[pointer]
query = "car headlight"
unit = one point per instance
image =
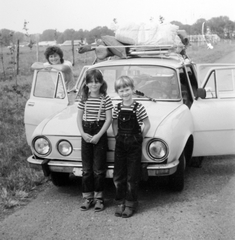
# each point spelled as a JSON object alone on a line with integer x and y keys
{"x": 157, "y": 150}
{"x": 42, "y": 145}
{"x": 64, "y": 147}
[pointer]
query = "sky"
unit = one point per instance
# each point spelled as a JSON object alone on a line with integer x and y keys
{"x": 88, "y": 14}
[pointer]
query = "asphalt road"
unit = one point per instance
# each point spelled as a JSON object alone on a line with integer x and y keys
{"x": 204, "y": 210}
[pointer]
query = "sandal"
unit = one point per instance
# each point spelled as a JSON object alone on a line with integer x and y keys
{"x": 87, "y": 204}
{"x": 128, "y": 212}
{"x": 99, "y": 205}
{"x": 119, "y": 210}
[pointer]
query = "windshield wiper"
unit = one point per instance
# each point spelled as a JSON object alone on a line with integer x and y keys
{"x": 139, "y": 93}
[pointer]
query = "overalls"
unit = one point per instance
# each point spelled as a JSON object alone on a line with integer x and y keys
{"x": 93, "y": 159}
{"x": 128, "y": 153}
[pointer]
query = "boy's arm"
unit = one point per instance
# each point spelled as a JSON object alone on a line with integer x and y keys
{"x": 115, "y": 127}
{"x": 146, "y": 126}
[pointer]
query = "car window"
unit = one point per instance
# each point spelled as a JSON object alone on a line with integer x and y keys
{"x": 221, "y": 82}
{"x": 154, "y": 81}
{"x": 49, "y": 85}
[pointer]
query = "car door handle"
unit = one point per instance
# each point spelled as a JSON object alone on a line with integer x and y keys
{"x": 31, "y": 104}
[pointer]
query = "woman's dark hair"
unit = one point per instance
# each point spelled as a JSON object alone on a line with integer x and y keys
{"x": 94, "y": 74}
{"x": 52, "y": 50}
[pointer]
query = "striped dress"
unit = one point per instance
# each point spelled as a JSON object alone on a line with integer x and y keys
{"x": 92, "y": 105}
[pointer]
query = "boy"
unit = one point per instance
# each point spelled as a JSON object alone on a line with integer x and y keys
{"x": 128, "y": 117}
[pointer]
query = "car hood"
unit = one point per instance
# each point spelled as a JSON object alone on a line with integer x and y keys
{"x": 65, "y": 122}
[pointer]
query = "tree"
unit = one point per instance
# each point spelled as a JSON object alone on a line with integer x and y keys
{"x": 218, "y": 25}
{"x": 48, "y": 35}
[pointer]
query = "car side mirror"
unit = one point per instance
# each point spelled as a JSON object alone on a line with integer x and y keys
{"x": 201, "y": 93}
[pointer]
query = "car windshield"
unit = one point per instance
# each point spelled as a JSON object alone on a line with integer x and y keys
{"x": 156, "y": 82}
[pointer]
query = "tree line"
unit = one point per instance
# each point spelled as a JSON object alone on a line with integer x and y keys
{"x": 222, "y": 26}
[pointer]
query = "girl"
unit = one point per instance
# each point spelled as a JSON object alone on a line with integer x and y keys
{"x": 94, "y": 118}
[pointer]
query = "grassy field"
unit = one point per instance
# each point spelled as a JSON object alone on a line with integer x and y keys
{"x": 17, "y": 180}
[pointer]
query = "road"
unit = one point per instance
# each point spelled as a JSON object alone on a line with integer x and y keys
{"x": 204, "y": 210}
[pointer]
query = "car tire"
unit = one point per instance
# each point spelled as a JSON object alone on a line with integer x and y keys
{"x": 196, "y": 162}
{"x": 59, "y": 179}
{"x": 176, "y": 180}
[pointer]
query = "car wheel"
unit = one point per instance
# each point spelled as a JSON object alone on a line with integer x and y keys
{"x": 176, "y": 180}
{"x": 196, "y": 162}
{"x": 59, "y": 179}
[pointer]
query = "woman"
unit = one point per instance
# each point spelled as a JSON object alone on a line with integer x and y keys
{"x": 54, "y": 56}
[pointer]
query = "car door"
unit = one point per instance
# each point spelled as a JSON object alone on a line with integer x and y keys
{"x": 48, "y": 96}
{"x": 202, "y": 69}
{"x": 214, "y": 116}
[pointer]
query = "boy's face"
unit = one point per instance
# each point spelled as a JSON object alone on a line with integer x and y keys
{"x": 125, "y": 93}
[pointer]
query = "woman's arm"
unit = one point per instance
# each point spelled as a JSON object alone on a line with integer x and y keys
{"x": 84, "y": 135}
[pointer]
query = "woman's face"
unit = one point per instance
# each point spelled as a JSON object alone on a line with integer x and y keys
{"x": 54, "y": 59}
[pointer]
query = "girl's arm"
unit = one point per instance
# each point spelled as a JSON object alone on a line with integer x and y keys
{"x": 146, "y": 126}
{"x": 105, "y": 127}
{"x": 84, "y": 135}
{"x": 115, "y": 127}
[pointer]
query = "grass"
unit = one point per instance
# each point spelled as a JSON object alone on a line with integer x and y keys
{"x": 17, "y": 180}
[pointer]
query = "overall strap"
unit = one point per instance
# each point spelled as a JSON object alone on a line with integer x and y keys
{"x": 99, "y": 113}
{"x": 135, "y": 107}
{"x": 85, "y": 108}
{"x": 119, "y": 107}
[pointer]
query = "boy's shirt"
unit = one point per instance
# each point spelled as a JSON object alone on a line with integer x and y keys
{"x": 141, "y": 113}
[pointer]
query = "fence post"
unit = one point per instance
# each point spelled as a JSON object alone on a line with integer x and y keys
{"x": 37, "y": 47}
{"x": 73, "y": 52}
{"x": 17, "y": 57}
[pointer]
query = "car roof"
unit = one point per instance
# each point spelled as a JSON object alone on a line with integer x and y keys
{"x": 170, "y": 61}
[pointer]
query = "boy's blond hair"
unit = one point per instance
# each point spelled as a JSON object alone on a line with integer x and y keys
{"x": 122, "y": 82}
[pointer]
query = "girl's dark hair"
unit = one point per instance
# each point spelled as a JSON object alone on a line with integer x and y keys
{"x": 52, "y": 50}
{"x": 97, "y": 75}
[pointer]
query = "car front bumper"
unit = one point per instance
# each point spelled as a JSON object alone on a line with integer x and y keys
{"x": 76, "y": 167}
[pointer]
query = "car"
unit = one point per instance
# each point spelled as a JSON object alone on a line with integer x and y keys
{"x": 191, "y": 109}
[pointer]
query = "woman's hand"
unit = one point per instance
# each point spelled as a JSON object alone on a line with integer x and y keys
{"x": 95, "y": 139}
{"x": 87, "y": 137}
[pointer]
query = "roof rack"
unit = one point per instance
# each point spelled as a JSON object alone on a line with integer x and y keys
{"x": 158, "y": 51}
{"x": 147, "y": 49}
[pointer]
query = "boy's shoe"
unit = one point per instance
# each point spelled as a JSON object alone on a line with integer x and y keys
{"x": 99, "y": 205}
{"x": 119, "y": 210}
{"x": 87, "y": 204}
{"x": 128, "y": 212}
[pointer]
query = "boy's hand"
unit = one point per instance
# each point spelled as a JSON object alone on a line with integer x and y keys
{"x": 87, "y": 137}
{"x": 95, "y": 139}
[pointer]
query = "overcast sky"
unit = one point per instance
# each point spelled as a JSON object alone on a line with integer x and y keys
{"x": 88, "y": 14}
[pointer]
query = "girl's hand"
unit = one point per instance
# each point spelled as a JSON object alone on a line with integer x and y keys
{"x": 95, "y": 139}
{"x": 87, "y": 137}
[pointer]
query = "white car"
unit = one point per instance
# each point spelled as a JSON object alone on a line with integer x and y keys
{"x": 187, "y": 122}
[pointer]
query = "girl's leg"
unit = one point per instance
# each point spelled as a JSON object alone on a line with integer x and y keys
{"x": 87, "y": 166}
{"x": 99, "y": 164}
